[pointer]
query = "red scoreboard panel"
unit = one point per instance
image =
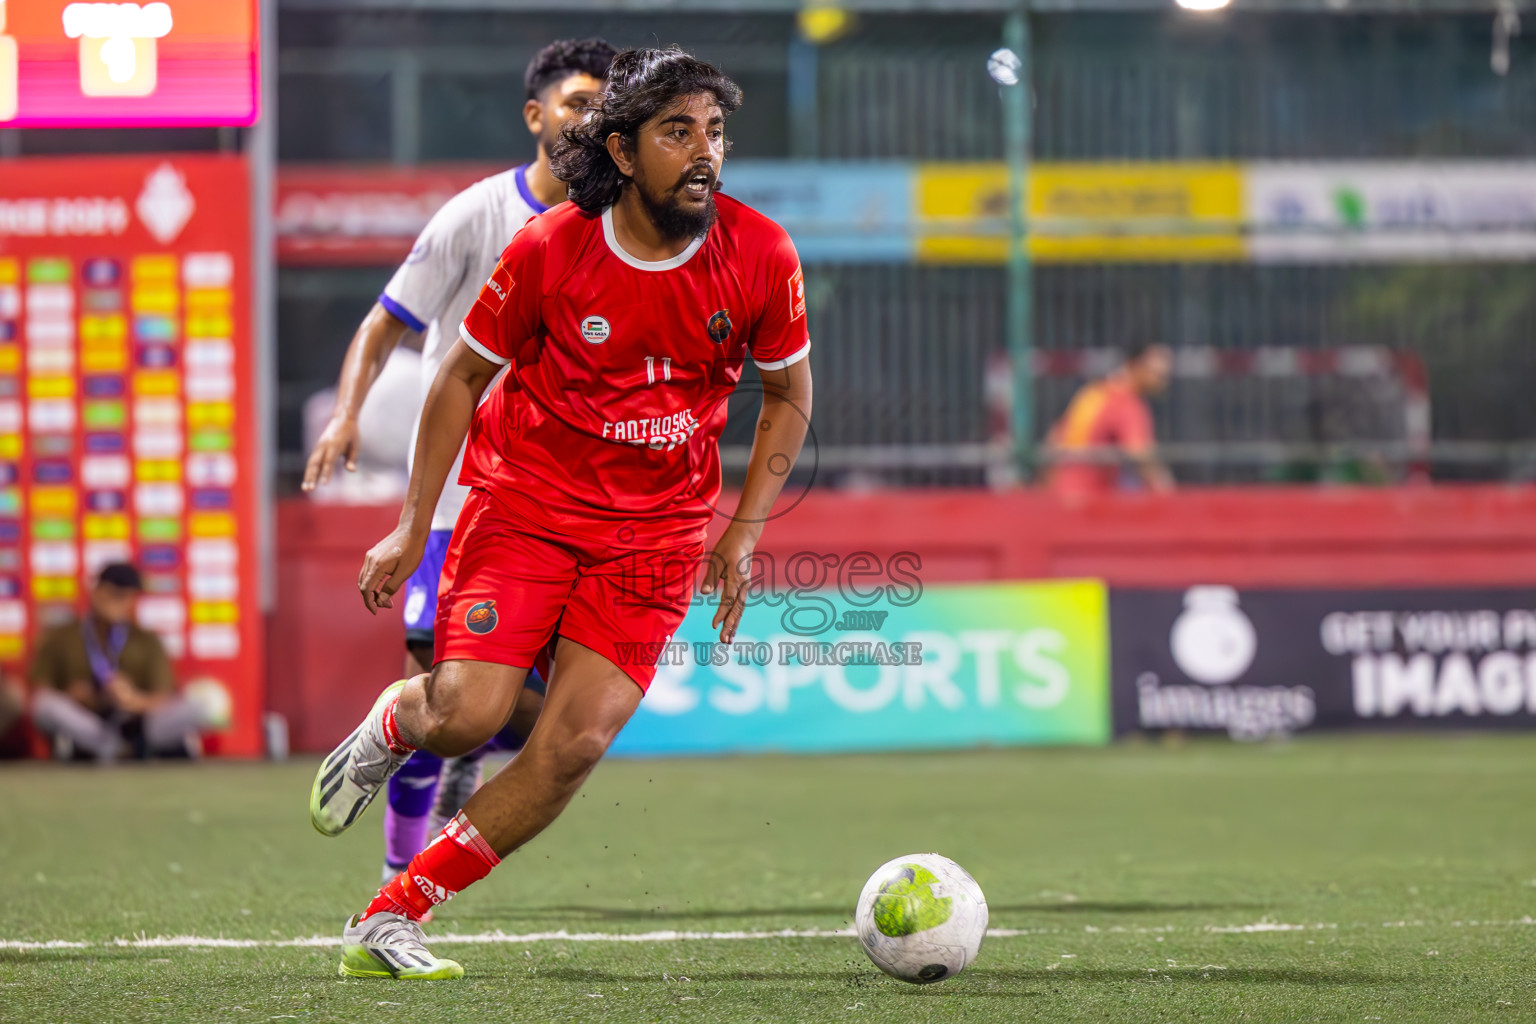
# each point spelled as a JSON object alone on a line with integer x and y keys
{"x": 67, "y": 64}
{"x": 127, "y": 410}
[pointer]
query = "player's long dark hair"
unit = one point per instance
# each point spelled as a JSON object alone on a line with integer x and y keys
{"x": 641, "y": 84}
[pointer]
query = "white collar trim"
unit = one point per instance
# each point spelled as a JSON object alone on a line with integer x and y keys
{"x": 653, "y": 265}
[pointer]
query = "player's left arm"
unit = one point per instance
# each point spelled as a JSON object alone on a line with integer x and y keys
{"x": 780, "y": 344}
{"x": 782, "y": 425}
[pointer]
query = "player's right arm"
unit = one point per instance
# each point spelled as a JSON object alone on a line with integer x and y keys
{"x": 1139, "y": 442}
{"x": 503, "y": 318}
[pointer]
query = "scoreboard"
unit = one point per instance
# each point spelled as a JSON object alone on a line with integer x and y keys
{"x": 127, "y": 416}
{"x": 67, "y": 64}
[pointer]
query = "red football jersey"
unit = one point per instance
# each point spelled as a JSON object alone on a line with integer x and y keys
{"x": 1105, "y": 414}
{"x": 607, "y": 423}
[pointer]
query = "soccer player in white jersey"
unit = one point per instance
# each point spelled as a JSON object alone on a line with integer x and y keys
{"x": 430, "y": 293}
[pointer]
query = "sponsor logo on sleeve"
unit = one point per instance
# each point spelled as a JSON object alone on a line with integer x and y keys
{"x": 497, "y": 289}
{"x": 796, "y": 295}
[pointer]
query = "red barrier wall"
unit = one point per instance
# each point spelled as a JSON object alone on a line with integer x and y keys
{"x": 1274, "y": 537}
{"x": 329, "y": 658}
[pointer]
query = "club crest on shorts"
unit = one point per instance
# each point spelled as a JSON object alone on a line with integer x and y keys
{"x": 481, "y": 618}
{"x": 594, "y": 329}
{"x": 719, "y": 327}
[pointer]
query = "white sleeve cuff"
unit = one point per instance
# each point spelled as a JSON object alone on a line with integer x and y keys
{"x": 480, "y": 350}
{"x": 779, "y": 364}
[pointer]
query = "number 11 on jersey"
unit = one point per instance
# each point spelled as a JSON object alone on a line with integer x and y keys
{"x": 650, "y": 369}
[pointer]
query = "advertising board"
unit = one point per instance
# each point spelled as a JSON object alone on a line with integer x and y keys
{"x": 835, "y": 212}
{"x": 1392, "y": 211}
{"x": 1084, "y": 212}
{"x": 942, "y": 667}
{"x": 127, "y": 407}
{"x": 891, "y": 211}
{"x": 1259, "y": 663}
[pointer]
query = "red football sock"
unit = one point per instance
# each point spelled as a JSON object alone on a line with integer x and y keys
{"x": 392, "y": 729}
{"x": 458, "y": 857}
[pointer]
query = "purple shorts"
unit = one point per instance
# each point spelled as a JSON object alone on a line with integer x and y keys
{"x": 421, "y": 589}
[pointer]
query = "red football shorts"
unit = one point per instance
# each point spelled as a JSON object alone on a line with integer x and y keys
{"x": 509, "y": 587}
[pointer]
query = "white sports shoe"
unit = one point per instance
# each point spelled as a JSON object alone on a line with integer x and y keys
{"x": 354, "y": 773}
{"x": 390, "y": 946}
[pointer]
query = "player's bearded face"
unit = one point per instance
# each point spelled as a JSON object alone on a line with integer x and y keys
{"x": 677, "y": 166}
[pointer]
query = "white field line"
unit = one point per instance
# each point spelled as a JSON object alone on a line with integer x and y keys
{"x": 503, "y": 938}
{"x": 480, "y": 938}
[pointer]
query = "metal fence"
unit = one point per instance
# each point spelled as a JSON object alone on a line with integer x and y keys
{"x": 434, "y": 85}
{"x": 902, "y": 355}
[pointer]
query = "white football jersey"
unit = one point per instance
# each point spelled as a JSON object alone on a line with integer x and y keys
{"x": 441, "y": 278}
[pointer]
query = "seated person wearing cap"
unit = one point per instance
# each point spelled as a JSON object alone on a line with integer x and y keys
{"x": 102, "y": 682}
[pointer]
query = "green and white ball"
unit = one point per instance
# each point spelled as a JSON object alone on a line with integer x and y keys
{"x": 215, "y": 707}
{"x": 921, "y": 918}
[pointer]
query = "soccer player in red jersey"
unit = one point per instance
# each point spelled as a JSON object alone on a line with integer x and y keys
{"x": 1111, "y": 416}
{"x": 625, "y": 317}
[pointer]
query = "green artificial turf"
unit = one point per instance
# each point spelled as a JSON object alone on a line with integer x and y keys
{"x": 1142, "y": 875}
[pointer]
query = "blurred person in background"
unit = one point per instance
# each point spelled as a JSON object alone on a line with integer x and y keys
{"x": 1108, "y": 424}
{"x": 13, "y": 707}
{"x": 431, "y": 293}
{"x": 104, "y": 685}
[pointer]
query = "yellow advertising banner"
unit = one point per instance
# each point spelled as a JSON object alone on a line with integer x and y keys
{"x": 1152, "y": 212}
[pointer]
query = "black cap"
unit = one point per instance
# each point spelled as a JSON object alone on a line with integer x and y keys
{"x": 121, "y": 574}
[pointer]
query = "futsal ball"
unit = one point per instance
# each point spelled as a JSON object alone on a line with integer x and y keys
{"x": 921, "y": 918}
{"x": 213, "y": 703}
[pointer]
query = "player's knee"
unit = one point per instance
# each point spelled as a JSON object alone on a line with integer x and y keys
{"x": 447, "y": 723}
{"x": 577, "y": 751}
{"x": 453, "y": 735}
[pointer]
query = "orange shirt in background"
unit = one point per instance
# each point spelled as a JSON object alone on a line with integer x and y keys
{"x": 1106, "y": 414}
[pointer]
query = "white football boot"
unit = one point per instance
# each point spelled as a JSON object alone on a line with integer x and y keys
{"x": 355, "y": 772}
{"x": 390, "y": 946}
